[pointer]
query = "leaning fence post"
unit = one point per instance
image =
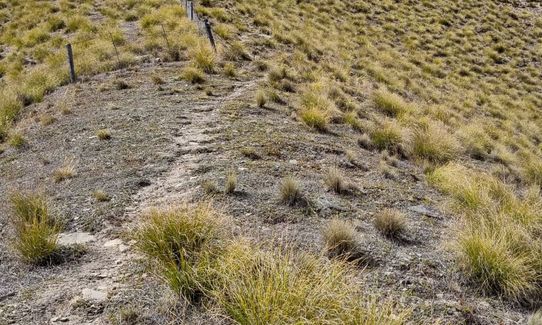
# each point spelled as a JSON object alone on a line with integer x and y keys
{"x": 70, "y": 62}
{"x": 210, "y": 33}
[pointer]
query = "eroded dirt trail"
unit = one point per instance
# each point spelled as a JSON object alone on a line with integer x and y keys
{"x": 157, "y": 134}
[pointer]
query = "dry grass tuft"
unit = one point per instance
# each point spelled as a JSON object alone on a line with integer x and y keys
{"x": 290, "y": 191}
{"x": 65, "y": 172}
{"x": 261, "y": 98}
{"x": 101, "y": 196}
{"x": 391, "y": 223}
{"x": 36, "y": 232}
{"x": 335, "y": 181}
{"x": 193, "y": 75}
{"x": 231, "y": 182}
{"x": 340, "y": 238}
{"x": 103, "y": 134}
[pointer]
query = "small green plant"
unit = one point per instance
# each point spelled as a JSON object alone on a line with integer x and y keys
{"x": 231, "y": 183}
{"x": 290, "y": 191}
{"x": 36, "y": 232}
{"x": 103, "y": 134}
{"x": 391, "y": 223}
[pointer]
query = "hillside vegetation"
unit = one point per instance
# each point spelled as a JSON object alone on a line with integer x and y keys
{"x": 454, "y": 86}
{"x": 451, "y": 89}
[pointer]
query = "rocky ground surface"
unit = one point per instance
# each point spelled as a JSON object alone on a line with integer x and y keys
{"x": 166, "y": 139}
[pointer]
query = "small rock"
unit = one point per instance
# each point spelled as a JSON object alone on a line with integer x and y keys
{"x": 94, "y": 295}
{"x": 123, "y": 248}
{"x": 113, "y": 243}
{"x": 293, "y": 162}
{"x": 423, "y": 210}
{"x": 75, "y": 238}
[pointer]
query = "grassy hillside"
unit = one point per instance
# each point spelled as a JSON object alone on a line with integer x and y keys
{"x": 450, "y": 88}
{"x": 453, "y": 86}
{"x": 105, "y": 35}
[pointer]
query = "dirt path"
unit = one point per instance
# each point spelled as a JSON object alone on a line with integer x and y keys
{"x": 156, "y": 130}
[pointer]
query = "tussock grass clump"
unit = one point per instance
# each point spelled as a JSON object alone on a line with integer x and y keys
{"x": 101, "y": 196}
{"x": 195, "y": 256}
{"x": 36, "y": 232}
{"x": 203, "y": 57}
{"x": 231, "y": 182}
{"x": 315, "y": 118}
{"x": 389, "y": 103}
{"x": 103, "y": 134}
{"x": 335, "y": 181}
{"x": 209, "y": 187}
{"x": 340, "y": 238}
{"x": 290, "y": 191}
{"x": 280, "y": 287}
{"x": 261, "y": 98}
{"x": 432, "y": 142}
{"x": 65, "y": 172}
{"x": 498, "y": 243}
{"x": 391, "y": 223}
{"x": 193, "y": 75}
{"x": 16, "y": 140}
{"x": 387, "y": 136}
{"x": 230, "y": 70}
{"x": 183, "y": 241}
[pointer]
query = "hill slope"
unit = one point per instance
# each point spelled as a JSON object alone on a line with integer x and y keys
{"x": 411, "y": 128}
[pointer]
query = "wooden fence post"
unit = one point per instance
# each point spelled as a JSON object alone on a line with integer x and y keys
{"x": 73, "y": 78}
{"x": 210, "y": 33}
